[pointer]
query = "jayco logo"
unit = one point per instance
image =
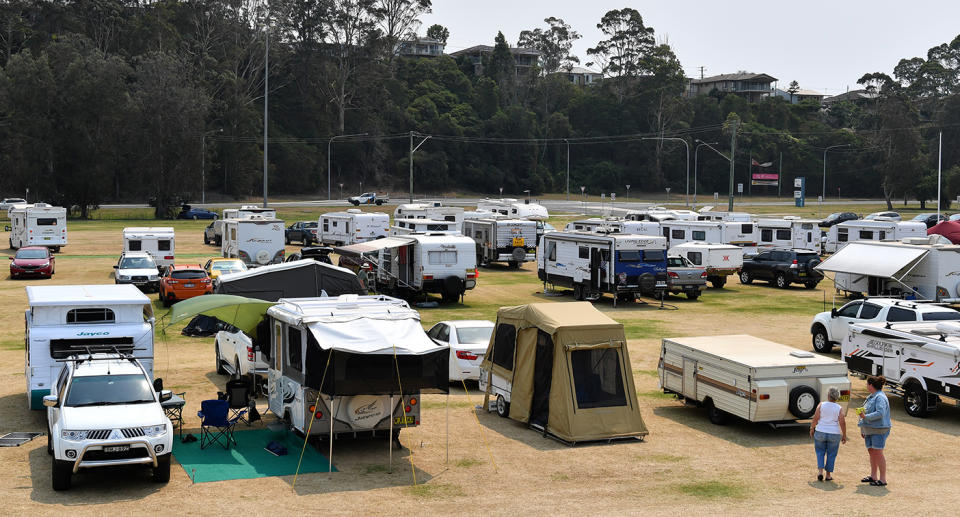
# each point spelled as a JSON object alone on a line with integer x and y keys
{"x": 799, "y": 369}
{"x": 91, "y": 334}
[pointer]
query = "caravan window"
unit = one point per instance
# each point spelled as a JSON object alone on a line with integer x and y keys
{"x": 746, "y": 228}
{"x": 446, "y": 258}
{"x": 699, "y": 235}
{"x": 866, "y": 234}
{"x": 678, "y": 234}
{"x": 47, "y": 221}
{"x": 696, "y": 257}
{"x": 134, "y": 245}
{"x": 766, "y": 235}
{"x": 99, "y": 315}
{"x": 163, "y": 245}
{"x": 437, "y": 227}
{"x": 294, "y": 349}
{"x": 233, "y": 233}
{"x": 346, "y": 226}
{"x": 841, "y": 235}
{"x": 584, "y": 252}
{"x": 450, "y": 218}
{"x": 552, "y": 251}
{"x": 883, "y": 235}
{"x": 597, "y": 378}
{"x": 783, "y": 235}
{"x": 503, "y": 346}
{"x": 326, "y": 226}
{"x": 654, "y": 255}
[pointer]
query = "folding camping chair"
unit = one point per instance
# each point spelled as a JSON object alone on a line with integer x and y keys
{"x": 238, "y": 395}
{"x": 215, "y": 425}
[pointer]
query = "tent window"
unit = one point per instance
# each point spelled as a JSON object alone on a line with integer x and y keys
{"x": 135, "y": 245}
{"x": 597, "y": 378}
{"x": 294, "y": 349}
{"x": 503, "y": 345}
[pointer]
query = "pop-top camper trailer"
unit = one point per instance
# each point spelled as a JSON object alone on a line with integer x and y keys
{"x": 158, "y": 242}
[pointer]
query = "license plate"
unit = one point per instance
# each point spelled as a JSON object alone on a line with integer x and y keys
{"x": 188, "y": 285}
{"x": 46, "y": 238}
{"x": 802, "y": 274}
{"x": 844, "y": 398}
{"x": 117, "y": 448}
{"x": 404, "y": 420}
{"x": 518, "y": 242}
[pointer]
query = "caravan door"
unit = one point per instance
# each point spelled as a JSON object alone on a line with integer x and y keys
{"x": 595, "y": 267}
{"x": 275, "y": 372}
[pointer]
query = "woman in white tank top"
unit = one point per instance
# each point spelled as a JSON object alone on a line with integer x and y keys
{"x": 828, "y": 429}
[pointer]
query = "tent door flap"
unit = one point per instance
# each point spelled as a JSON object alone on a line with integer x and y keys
{"x": 542, "y": 377}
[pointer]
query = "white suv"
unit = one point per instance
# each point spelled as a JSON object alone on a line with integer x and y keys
{"x": 830, "y": 328}
{"x": 137, "y": 268}
{"x": 105, "y": 412}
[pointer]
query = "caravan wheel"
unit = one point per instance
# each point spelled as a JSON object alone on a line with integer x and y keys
{"x": 578, "y": 292}
{"x": 503, "y": 407}
{"x": 915, "y": 401}
{"x": 716, "y": 416}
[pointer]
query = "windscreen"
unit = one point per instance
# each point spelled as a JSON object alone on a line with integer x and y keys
{"x": 189, "y": 274}
{"x": 476, "y": 335}
{"x": 31, "y": 254}
{"x": 109, "y": 390}
{"x": 312, "y": 224}
{"x": 227, "y": 265}
{"x": 138, "y": 263}
{"x": 675, "y": 262}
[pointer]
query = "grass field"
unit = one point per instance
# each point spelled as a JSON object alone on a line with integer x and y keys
{"x": 496, "y": 466}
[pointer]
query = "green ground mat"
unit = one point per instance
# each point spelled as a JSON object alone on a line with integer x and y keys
{"x": 247, "y": 459}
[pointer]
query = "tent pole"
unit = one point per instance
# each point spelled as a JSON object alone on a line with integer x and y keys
{"x": 330, "y": 459}
{"x": 447, "y": 461}
{"x": 390, "y": 438}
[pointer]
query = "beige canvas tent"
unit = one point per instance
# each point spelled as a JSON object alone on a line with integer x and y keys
{"x": 563, "y": 368}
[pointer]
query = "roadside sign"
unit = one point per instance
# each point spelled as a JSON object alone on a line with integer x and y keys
{"x": 797, "y": 194}
{"x": 797, "y": 182}
{"x": 613, "y": 196}
{"x": 716, "y": 196}
{"x": 739, "y": 188}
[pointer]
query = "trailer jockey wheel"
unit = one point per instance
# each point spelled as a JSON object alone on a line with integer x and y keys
{"x": 803, "y": 402}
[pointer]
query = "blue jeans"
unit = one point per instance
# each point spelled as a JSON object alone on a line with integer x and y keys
{"x": 826, "y": 445}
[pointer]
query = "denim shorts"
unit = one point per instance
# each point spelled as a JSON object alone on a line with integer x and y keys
{"x": 876, "y": 441}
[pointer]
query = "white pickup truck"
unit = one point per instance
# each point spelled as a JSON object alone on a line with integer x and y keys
{"x": 833, "y": 327}
{"x": 369, "y": 198}
{"x": 237, "y": 355}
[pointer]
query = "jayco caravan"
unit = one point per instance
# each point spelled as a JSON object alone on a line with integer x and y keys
{"x": 790, "y": 233}
{"x": 158, "y": 242}
{"x": 720, "y": 260}
{"x": 243, "y": 212}
{"x": 353, "y": 226}
{"x": 255, "y": 240}
{"x": 513, "y": 241}
{"x": 900, "y": 269}
{"x": 596, "y": 263}
{"x": 350, "y": 364}
{"x": 64, "y": 320}
{"x": 742, "y": 234}
{"x": 38, "y": 225}
{"x": 425, "y": 227}
{"x": 839, "y": 235}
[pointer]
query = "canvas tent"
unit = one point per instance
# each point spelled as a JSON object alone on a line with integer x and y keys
{"x": 305, "y": 278}
{"x": 569, "y": 370}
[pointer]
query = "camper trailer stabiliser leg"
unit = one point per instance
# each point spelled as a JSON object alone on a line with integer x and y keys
{"x": 789, "y": 423}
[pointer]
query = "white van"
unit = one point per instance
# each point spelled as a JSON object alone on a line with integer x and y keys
{"x": 38, "y": 225}
{"x": 255, "y": 240}
{"x": 750, "y": 378}
{"x": 63, "y": 320}
{"x": 352, "y": 226}
{"x": 839, "y": 235}
{"x": 720, "y": 260}
{"x": 159, "y": 242}
{"x": 425, "y": 227}
{"x": 513, "y": 241}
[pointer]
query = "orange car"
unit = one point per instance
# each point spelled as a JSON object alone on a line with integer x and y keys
{"x": 182, "y": 282}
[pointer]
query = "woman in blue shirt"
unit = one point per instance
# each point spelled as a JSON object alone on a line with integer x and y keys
{"x": 875, "y": 427}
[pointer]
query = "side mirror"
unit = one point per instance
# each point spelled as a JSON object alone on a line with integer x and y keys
{"x": 116, "y": 266}
{"x": 166, "y": 395}
{"x": 50, "y": 401}
{"x": 833, "y": 312}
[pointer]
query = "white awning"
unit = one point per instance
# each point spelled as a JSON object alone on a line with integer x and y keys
{"x": 374, "y": 245}
{"x": 387, "y": 335}
{"x": 872, "y": 260}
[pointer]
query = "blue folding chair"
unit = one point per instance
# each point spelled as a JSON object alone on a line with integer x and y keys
{"x": 215, "y": 424}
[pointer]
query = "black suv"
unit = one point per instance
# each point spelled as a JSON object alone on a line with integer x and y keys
{"x": 782, "y": 267}
{"x": 838, "y": 218}
{"x": 304, "y": 232}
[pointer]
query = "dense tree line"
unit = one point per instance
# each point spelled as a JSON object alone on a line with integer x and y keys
{"x": 116, "y": 100}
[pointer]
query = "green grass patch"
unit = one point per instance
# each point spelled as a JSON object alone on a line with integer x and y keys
{"x": 468, "y": 462}
{"x": 655, "y": 394}
{"x": 437, "y": 491}
{"x": 560, "y": 476}
{"x": 457, "y": 404}
{"x": 711, "y": 490}
{"x": 375, "y": 469}
{"x": 12, "y": 345}
{"x": 647, "y": 373}
{"x": 640, "y": 329}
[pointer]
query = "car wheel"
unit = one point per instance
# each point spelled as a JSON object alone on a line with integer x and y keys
{"x": 716, "y": 416}
{"x": 60, "y": 474}
{"x": 915, "y": 401}
{"x": 745, "y": 278}
{"x": 216, "y": 351}
{"x": 820, "y": 342}
{"x": 693, "y": 295}
{"x": 810, "y": 285}
{"x": 803, "y": 402}
{"x": 781, "y": 281}
{"x": 719, "y": 281}
{"x": 503, "y": 407}
{"x": 205, "y": 239}
{"x": 161, "y": 473}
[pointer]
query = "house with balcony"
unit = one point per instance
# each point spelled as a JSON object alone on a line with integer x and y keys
{"x": 525, "y": 58}
{"x": 581, "y": 76}
{"x": 750, "y": 86}
{"x": 420, "y": 47}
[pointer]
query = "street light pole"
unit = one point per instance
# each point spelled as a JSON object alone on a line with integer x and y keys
{"x": 413, "y": 150}
{"x": 687, "y": 145}
{"x": 203, "y": 164}
{"x": 329, "y": 143}
{"x": 823, "y": 191}
{"x": 568, "y": 168}
{"x": 266, "y": 96}
{"x": 696, "y": 165}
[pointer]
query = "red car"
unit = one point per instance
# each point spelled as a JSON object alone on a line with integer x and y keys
{"x": 182, "y": 282}
{"x": 32, "y": 261}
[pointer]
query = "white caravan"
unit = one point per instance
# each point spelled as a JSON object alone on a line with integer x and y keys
{"x": 63, "y": 320}
{"x": 789, "y": 233}
{"x": 352, "y": 226}
{"x": 614, "y": 225}
{"x": 255, "y": 240}
{"x": 750, "y": 378}
{"x": 658, "y": 214}
{"x": 899, "y": 269}
{"x": 513, "y": 241}
{"x": 38, "y": 225}
{"x": 243, "y": 212}
{"x": 334, "y": 363}
{"x": 839, "y": 235}
{"x": 720, "y": 260}
{"x": 434, "y": 211}
{"x": 709, "y": 215}
{"x": 412, "y": 265}
{"x": 919, "y": 360}
{"x": 425, "y": 227}
{"x": 513, "y": 208}
{"x": 596, "y": 263}
{"x": 159, "y": 242}
{"x": 742, "y": 234}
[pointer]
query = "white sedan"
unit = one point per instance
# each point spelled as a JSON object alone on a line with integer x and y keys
{"x": 468, "y": 341}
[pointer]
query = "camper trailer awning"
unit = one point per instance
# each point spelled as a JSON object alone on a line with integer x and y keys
{"x": 375, "y": 245}
{"x": 870, "y": 260}
{"x": 373, "y": 335}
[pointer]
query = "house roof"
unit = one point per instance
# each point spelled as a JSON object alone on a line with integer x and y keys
{"x": 739, "y": 76}
{"x": 486, "y": 49}
{"x": 852, "y": 95}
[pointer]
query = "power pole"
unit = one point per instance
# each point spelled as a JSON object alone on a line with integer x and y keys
{"x": 701, "y": 71}
{"x": 266, "y": 95}
{"x": 733, "y": 153}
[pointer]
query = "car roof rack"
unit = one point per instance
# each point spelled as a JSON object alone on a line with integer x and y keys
{"x": 102, "y": 349}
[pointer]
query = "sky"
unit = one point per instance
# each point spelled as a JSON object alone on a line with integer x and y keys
{"x": 824, "y": 46}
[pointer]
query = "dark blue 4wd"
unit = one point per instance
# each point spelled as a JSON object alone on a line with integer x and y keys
{"x": 782, "y": 267}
